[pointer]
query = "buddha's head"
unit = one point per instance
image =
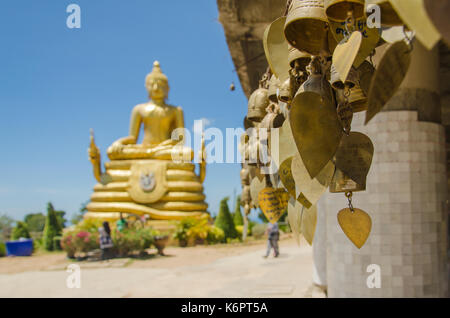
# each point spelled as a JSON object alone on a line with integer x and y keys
{"x": 157, "y": 84}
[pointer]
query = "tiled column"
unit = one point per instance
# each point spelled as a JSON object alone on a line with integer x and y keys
{"x": 406, "y": 198}
{"x": 320, "y": 249}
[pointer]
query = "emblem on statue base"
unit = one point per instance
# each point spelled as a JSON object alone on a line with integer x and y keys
{"x": 147, "y": 183}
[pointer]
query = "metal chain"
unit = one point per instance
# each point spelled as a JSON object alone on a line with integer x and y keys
{"x": 349, "y": 196}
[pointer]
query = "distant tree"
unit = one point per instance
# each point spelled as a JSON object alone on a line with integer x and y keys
{"x": 225, "y": 221}
{"x": 78, "y": 217}
{"x": 61, "y": 220}
{"x": 20, "y": 231}
{"x": 237, "y": 216}
{"x": 52, "y": 228}
{"x": 35, "y": 222}
{"x": 6, "y": 226}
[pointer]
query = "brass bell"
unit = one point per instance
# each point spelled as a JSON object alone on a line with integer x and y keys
{"x": 351, "y": 81}
{"x": 342, "y": 183}
{"x": 298, "y": 58}
{"x": 285, "y": 91}
{"x": 356, "y": 99}
{"x": 338, "y": 10}
{"x": 306, "y": 26}
{"x": 257, "y": 104}
{"x": 274, "y": 84}
{"x": 389, "y": 16}
{"x": 365, "y": 72}
{"x": 317, "y": 83}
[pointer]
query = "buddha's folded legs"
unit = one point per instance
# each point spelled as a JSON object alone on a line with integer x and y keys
{"x": 178, "y": 153}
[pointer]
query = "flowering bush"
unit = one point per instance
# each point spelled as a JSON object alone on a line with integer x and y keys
{"x": 67, "y": 244}
{"x": 85, "y": 238}
{"x": 86, "y": 241}
{"x": 132, "y": 240}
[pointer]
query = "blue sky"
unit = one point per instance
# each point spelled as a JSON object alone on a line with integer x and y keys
{"x": 56, "y": 83}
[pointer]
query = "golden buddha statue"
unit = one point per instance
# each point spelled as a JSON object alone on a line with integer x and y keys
{"x": 156, "y": 177}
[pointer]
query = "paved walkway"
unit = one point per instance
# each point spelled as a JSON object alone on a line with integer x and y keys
{"x": 245, "y": 275}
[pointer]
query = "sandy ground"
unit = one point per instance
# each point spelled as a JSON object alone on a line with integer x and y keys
{"x": 237, "y": 270}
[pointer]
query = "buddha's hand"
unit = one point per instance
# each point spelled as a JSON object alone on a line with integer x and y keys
{"x": 116, "y": 147}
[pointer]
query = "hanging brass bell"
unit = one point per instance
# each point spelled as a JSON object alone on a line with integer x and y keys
{"x": 316, "y": 83}
{"x": 338, "y": 10}
{"x": 298, "y": 58}
{"x": 274, "y": 84}
{"x": 350, "y": 82}
{"x": 389, "y": 16}
{"x": 342, "y": 183}
{"x": 257, "y": 104}
{"x": 306, "y": 25}
{"x": 285, "y": 91}
{"x": 356, "y": 99}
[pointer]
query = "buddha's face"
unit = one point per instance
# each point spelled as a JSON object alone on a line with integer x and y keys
{"x": 158, "y": 89}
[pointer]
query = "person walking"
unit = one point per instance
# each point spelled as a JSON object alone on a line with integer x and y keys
{"x": 106, "y": 243}
{"x": 273, "y": 233}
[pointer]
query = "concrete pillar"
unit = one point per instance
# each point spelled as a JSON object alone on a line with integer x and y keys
{"x": 320, "y": 249}
{"x": 406, "y": 198}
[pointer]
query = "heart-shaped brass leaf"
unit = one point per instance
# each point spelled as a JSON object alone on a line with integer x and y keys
{"x": 302, "y": 220}
{"x": 316, "y": 130}
{"x": 276, "y": 49}
{"x": 354, "y": 156}
{"x": 255, "y": 188}
{"x": 414, "y": 14}
{"x": 356, "y": 225}
{"x": 273, "y": 203}
{"x": 311, "y": 189}
{"x": 389, "y": 75}
{"x": 345, "y": 54}
{"x": 438, "y": 13}
{"x": 288, "y": 182}
{"x": 369, "y": 40}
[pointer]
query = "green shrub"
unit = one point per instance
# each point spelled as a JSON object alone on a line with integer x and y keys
{"x": 215, "y": 235}
{"x": 52, "y": 228}
{"x": 197, "y": 229}
{"x": 89, "y": 225}
{"x": 2, "y": 249}
{"x": 182, "y": 228}
{"x": 237, "y": 216}
{"x": 21, "y": 230}
{"x": 259, "y": 230}
{"x": 225, "y": 221}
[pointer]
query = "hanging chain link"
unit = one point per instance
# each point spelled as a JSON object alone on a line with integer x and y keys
{"x": 349, "y": 196}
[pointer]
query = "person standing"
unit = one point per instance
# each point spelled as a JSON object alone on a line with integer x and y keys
{"x": 106, "y": 243}
{"x": 273, "y": 233}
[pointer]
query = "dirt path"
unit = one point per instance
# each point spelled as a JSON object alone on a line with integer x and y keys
{"x": 203, "y": 271}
